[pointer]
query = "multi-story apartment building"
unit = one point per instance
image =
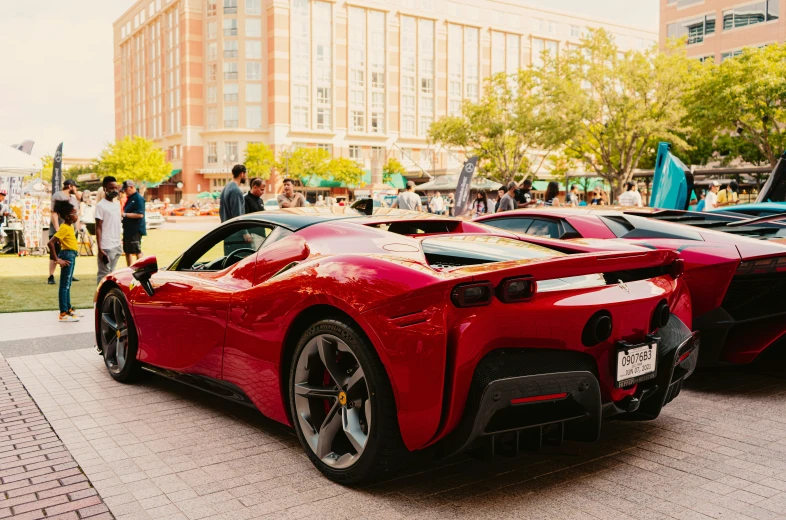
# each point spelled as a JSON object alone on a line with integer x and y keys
{"x": 203, "y": 78}
{"x": 719, "y": 29}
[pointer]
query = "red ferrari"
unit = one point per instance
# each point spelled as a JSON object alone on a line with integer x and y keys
{"x": 736, "y": 283}
{"x": 375, "y": 336}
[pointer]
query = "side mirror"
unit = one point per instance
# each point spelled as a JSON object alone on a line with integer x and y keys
{"x": 143, "y": 270}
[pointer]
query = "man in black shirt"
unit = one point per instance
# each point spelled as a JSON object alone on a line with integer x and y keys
{"x": 253, "y": 199}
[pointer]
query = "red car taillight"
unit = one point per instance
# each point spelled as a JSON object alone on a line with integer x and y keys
{"x": 472, "y": 294}
{"x": 516, "y": 290}
{"x": 767, "y": 265}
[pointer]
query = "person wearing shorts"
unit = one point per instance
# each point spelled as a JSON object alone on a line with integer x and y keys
{"x": 133, "y": 222}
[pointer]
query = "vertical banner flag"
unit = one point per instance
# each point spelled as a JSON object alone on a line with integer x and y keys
{"x": 464, "y": 185}
{"x": 57, "y": 169}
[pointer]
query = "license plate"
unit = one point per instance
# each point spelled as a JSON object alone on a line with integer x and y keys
{"x": 636, "y": 364}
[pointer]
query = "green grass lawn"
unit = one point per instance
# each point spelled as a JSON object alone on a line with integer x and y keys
{"x": 23, "y": 280}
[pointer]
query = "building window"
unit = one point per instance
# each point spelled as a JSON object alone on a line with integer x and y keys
{"x": 427, "y": 105}
{"x": 327, "y": 147}
{"x": 694, "y": 28}
{"x": 408, "y": 84}
{"x": 408, "y": 103}
{"x": 378, "y": 101}
{"x": 454, "y": 107}
{"x": 212, "y": 51}
{"x": 254, "y": 27}
{"x": 230, "y": 117}
{"x": 230, "y": 48}
{"x": 212, "y": 118}
{"x": 253, "y": 50}
{"x": 378, "y": 80}
{"x": 253, "y": 116}
{"x": 212, "y": 94}
{"x": 300, "y": 117}
{"x": 575, "y": 31}
{"x": 211, "y": 30}
{"x": 357, "y": 78}
{"x": 357, "y": 98}
{"x": 253, "y": 6}
{"x": 230, "y": 151}
{"x": 323, "y": 119}
{"x": 427, "y": 85}
{"x": 253, "y": 93}
{"x": 355, "y": 152}
{"x": 425, "y": 124}
{"x": 377, "y": 123}
{"x": 230, "y": 70}
{"x": 300, "y": 94}
{"x": 731, "y": 54}
{"x": 211, "y": 8}
{"x": 751, "y": 14}
{"x": 230, "y": 6}
{"x": 212, "y": 72}
{"x": 358, "y": 121}
{"x": 253, "y": 71}
{"x": 408, "y": 124}
{"x": 230, "y": 92}
{"x": 212, "y": 154}
{"x": 323, "y": 95}
{"x": 230, "y": 27}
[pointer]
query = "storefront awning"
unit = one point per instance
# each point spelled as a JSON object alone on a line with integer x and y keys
{"x": 157, "y": 184}
{"x": 397, "y": 181}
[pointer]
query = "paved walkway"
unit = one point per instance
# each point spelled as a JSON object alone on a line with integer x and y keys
{"x": 19, "y": 326}
{"x": 38, "y": 476}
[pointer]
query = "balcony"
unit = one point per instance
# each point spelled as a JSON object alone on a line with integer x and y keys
{"x": 230, "y": 123}
{"x": 230, "y": 10}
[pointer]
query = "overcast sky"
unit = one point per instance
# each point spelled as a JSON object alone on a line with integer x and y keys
{"x": 56, "y": 67}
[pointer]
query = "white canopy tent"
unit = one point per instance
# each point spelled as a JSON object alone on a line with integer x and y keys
{"x": 14, "y": 163}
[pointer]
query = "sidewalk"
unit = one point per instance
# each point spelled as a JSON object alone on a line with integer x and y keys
{"x": 16, "y": 326}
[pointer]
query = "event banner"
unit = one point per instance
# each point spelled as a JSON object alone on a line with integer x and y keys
{"x": 464, "y": 185}
{"x": 57, "y": 169}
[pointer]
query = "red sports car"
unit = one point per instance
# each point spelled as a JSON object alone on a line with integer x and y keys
{"x": 372, "y": 343}
{"x": 736, "y": 283}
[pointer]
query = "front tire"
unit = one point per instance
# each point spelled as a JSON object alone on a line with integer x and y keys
{"x": 118, "y": 338}
{"x": 342, "y": 405}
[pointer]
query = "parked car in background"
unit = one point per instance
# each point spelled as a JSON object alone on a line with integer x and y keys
{"x": 271, "y": 204}
{"x": 154, "y": 219}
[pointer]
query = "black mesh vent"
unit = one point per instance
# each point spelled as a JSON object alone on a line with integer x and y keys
{"x": 755, "y": 296}
{"x": 514, "y": 362}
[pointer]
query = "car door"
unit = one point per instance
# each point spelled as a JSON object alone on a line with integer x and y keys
{"x": 183, "y": 324}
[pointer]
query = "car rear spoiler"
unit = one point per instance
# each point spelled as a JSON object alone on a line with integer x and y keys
{"x": 774, "y": 189}
{"x": 572, "y": 265}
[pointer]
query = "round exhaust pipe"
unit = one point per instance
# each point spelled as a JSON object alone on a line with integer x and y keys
{"x": 660, "y": 317}
{"x": 597, "y": 330}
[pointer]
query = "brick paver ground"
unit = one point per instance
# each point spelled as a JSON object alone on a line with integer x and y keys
{"x": 162, "y": 451}
{"x": 38, "y": 476}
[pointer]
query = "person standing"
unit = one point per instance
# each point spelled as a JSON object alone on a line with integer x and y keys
{"x": 409, "y": 200}
{"x": 728, "y": 196}
{"x": 508, "y": 201}
{"x": 631, "y": 196}
{"x": 290, "y": 198}
{"x": 134, "y": 227}
{"x": 573, "y": 197}
{"x": 450, "y": 204}
{"x": 711, "y": 201}
{"x": 437, "y": 204}
{"x": 5, "y": 210}
{"x": 231, "y": 201}
{"x": 552, "y": 190}
{"x": 480, "y": 205}
{"x": 524, "y": 196}
{"x": 65, "y": 239}
{"x": 68, "y": 193}
{"x": 108, "y": 226}
{"x": 253, "y": 199}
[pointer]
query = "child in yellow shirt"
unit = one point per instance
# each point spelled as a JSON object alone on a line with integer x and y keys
{"x": 65, "y": 239}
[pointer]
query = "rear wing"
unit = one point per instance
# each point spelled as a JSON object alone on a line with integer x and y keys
{"x": 673, "y": 181}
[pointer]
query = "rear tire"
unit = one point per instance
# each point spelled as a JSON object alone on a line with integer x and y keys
{"x": 342, "y": 405}
{"x": 118, "y": 337}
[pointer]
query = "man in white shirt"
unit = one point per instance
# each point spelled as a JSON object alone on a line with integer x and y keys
{"x": 108, "y": 226}
{"x": 409, "y": 199}
{"x": 711, "y": 201}
{"x": 437, "y": 204}
{"x": 631, "y": 197}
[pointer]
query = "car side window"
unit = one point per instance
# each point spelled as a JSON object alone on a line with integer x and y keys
{"x": 517, "y": 225}
{"x": 225, "y": 247}
{"x": 544, "y": 228}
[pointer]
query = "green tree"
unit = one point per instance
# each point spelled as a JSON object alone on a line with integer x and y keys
{"x": 346, "y": 170}
{"x": 259, "y": 160}
{"x": 747, "y": 96}
{"x": 392, "y": 167}
{"x": 608, "y": 107}
{"x": 75, "y": 171}
{"x": 137, "y": 159}
{"x": 301, "y": 163}
{"x": 504, "y": 128}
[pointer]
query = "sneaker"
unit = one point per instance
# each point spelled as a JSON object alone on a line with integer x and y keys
{"x": 67, "y": 318}
{"x": 74, "y": 279}
{"x": 74, "y": 312}
{"x": 50, "y": 280}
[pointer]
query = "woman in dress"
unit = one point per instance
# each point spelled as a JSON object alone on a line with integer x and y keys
{"x": 552, "y": 190}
